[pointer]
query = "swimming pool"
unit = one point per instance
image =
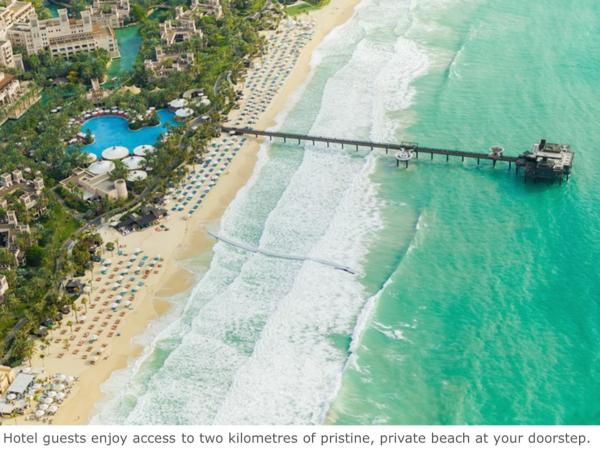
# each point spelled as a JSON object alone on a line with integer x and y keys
{"x": 114, "y": 130}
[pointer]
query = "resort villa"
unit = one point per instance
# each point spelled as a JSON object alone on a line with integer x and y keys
{"x": 211, "y": 7}
{"x": 181, "y": 29}
{"x": 113, "y": 13}
{"x": 8, "y": 235}
{"x": 16, "y": 96}
{"x": 11, "y": 13}
{"x": 166, "y": 63}
{"x": 91, "y": 185}
{"x": 10, "y": 89}
{"x": 31, "y": 188}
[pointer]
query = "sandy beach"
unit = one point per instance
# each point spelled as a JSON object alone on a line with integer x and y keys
{"x": 181, "y": 238}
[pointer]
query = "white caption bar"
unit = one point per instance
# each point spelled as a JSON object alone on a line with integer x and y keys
{"x": 279, "y": 437}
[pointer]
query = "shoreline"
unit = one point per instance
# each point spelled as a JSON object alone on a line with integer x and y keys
{"x": 183, "y": 240}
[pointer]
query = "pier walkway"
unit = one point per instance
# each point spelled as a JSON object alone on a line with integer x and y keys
{"x": 272, "y": 254}
{"x": 544, "y": 161}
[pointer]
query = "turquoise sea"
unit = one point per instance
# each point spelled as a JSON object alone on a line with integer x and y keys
{"x": 477, "y": 299}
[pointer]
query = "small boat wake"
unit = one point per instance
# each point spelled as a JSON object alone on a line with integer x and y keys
{"x": 272, "y": 254}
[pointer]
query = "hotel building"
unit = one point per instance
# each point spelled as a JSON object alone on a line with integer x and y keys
{"x": 63, "y": 36}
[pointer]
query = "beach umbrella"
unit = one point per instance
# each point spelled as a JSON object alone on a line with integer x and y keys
{"x": 61, "y": 377}
{"x": 48, "y": 400}
{"x": 43, "y": 406}
{"x": 59, "y": 387}
{"x": 137, "y": 251}
{"x": 143, "y": 150}
{"x": 101, "y": 167}
{"x": 134, "y": 162}
{"x": 115, "y": 152}
{"x": 37, "y": 387}
{"x": 39, "y": 413}
{"x": 61, "y": 395}
{"x": 94, "y": 338}
{"x": 52, "y": 394}
{"x": 70, "y": 379}
{"x": 91, "y": 158}
{"x": 116, "y": 286}
{"x": 11, "y": 397}
{"x": 82, "y": 319}
{"x": 177, "y": 103}
{"x": 114, "y": 306}
{"x": 53, "y": 409}
{"x": 127, "y": 303}
{"x": 118, "y": 298}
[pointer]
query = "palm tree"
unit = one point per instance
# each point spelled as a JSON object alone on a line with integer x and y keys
{"x": 70, "y": 325}
{"x": 84, "y": 303}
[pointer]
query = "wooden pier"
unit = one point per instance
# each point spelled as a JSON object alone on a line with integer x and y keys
{"x": 544, "y": 161}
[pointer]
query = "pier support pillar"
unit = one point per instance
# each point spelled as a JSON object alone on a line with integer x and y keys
{"x": 327, "y": 144}
{"x": 462, "y": 158}
{"x": 406, "y": 163}
{"x": 494, "y": 163}
{"x": 509, "y": 165}
{"x": 432, "y": 156}
{"x": 298, "y": 141}
{"x": 417, "y": 155}
{"x": 447, "y": 158}
{"x": 284, "y": 139}
{"x": 477, "y": 161}
{"x": 386, "y": 150}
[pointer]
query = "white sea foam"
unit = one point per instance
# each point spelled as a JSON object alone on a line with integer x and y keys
{"x": 255, "y": 342}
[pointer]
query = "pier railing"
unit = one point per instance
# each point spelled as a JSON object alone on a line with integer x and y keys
{"x": 539, "y": 164}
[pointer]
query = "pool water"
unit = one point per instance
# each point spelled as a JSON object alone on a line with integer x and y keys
{"x": 114, "y": 130}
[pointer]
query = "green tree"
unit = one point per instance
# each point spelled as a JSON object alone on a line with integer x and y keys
{"x": 34, "y": 256}
{"x": 119, "y": 172}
